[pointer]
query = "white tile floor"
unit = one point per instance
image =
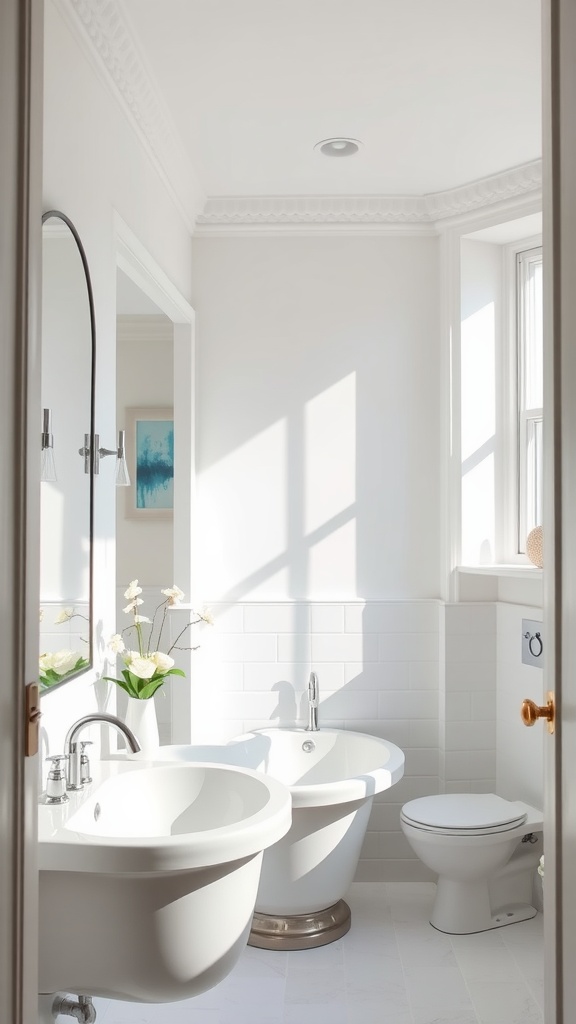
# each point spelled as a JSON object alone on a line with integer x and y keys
{"x": 391, "y": 968}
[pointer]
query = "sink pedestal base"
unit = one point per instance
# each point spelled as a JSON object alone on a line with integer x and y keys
{"x": 300, "y": 931}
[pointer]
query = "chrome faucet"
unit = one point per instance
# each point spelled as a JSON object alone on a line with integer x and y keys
{"x": 313, "y": 702}
{"x": 78, "y": 769}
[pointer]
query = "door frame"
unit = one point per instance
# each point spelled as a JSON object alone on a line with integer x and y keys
{"x": 21, "y": 33}
{"x": 21, "y": 73}
{"x": 559, "y": 162}
{"x": 136, "y": 262}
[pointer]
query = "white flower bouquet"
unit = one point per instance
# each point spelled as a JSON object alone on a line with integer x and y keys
{"x": 147, "y": 667}
{"x": 55, "y": 666}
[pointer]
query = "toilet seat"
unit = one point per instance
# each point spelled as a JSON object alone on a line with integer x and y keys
{"x": 463, "y": 814}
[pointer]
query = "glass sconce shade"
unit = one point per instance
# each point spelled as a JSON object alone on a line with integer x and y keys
{"x": 48, "y": 467}
{"x": 122, "y": 474}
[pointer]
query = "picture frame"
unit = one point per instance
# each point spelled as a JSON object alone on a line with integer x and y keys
{"x": 150, "y": 458}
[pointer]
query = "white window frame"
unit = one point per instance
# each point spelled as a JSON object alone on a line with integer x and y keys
{"x": 519, "y": 424}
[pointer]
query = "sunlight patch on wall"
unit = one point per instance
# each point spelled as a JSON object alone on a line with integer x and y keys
{"x": 478, "y": 417}
{"x": 478, "y": 526}
{"x": 252, "y": 481}
{"x": 332, "y": 564}
{"x": 330, "y": 453}
{"x": 478, "y": 379}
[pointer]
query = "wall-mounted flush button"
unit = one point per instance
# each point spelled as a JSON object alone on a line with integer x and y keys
{"x": 532, "y": 643}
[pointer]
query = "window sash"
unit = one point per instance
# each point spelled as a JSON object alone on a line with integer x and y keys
{"x": 529, "y": 349}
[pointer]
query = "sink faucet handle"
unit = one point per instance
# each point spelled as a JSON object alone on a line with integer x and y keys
{"x": 85, "y": 776}
{"x": 56, "y": 759}
{"x": 56, "y": 781}
{"x": 313, "y": 703}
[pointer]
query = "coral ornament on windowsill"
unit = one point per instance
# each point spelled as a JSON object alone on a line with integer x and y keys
{"x": 534, "y": 546}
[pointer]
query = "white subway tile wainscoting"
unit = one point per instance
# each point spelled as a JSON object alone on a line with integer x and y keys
{"x": 391, "y": 968}
{"x": 378, "y": 668}
{"x": 427, "y": 675}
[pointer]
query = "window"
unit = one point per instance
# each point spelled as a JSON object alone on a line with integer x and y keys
{"x": 529, "y": 360}
{"x": 498, "y": 395}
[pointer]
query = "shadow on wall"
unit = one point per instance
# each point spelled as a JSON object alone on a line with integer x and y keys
{"x": 285, "y": 711}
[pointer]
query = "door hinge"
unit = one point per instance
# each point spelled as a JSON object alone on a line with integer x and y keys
{"x": 32, "y": 721}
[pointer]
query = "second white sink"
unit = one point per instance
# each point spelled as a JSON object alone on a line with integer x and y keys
{"x": 149, "y": 877}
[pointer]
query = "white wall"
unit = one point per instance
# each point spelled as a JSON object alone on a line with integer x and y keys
{"x": 481, "y": 313}
{"x": 94, "y": 165}
{"x": 520, "y": 759}
{"x": 468, "y": 708}
{"x": 319, "y": 417}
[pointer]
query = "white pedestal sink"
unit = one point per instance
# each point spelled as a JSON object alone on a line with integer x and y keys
{"x": 148, "y": 877}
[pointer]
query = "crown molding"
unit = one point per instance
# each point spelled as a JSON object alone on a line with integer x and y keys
{"x": 505, "y": 187}
{"x": 103, "y": 30}
{"x": 286, "y": 210}
{"x": 370, "y": 212}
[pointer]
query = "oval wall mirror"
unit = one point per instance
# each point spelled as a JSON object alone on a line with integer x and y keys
{"x": 67, "y": 433}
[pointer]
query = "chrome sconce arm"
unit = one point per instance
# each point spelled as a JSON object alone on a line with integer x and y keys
{"x": 122, "y": 475}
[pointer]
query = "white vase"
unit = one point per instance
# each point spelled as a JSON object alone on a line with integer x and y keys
{"x": 141, "y": 718}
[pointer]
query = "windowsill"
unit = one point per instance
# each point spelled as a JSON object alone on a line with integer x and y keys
{"x": 516, "y": 571}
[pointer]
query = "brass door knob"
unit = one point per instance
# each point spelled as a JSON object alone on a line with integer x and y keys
{"x": 531, "y": 712}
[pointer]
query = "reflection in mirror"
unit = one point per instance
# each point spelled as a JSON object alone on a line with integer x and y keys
{"x": 66, "y": 501}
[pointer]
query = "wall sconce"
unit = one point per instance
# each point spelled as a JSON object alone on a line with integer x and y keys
{"x": 48, "y": 468}
{"x": 122, "y": 475}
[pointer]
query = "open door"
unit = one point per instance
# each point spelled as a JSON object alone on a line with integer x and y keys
{"x": 21, "y": 46}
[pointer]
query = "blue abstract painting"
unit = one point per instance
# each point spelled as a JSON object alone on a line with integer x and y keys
{"x": 155, "y": 464}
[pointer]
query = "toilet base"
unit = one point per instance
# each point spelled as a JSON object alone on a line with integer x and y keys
{"x": 464, "y": 909}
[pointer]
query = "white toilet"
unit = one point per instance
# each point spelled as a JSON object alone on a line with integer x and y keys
{"x": 485, "y": 851}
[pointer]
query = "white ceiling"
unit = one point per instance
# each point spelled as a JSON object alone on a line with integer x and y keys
{"x": 440, "y": 92}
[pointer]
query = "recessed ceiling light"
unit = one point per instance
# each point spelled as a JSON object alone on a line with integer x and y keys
{"x": 338, "y": 147}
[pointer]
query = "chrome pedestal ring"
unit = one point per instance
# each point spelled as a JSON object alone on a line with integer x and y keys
{"x": 300, "y": 931}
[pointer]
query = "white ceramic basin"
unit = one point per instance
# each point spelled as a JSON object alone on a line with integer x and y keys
{"x": 163, "y": 818}
{"x": 323, "y": 768}
{"x": 333, "y": 776}
{"x": 148, "y": 878}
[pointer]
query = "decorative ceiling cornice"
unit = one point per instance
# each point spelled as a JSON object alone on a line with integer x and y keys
{"x": 281, "y": 210}
{"x": 498, "y": 188}
{"x": 408, "y": 211}
{"x": 105, "y": 31}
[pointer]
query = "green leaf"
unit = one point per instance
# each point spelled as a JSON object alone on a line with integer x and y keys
{"x": 150, "y": 689}
{"x": 123, "y": 684}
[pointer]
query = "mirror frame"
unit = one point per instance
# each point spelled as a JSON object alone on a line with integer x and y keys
{"x": 74, "y": 675}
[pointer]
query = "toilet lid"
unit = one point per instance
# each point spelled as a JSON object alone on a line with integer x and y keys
{"x": 463, "y": 811}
